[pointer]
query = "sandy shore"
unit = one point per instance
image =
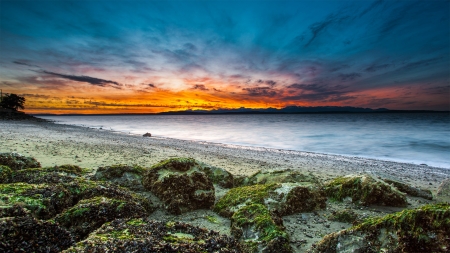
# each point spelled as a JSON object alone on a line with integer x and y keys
{"x": 55, "y": 144}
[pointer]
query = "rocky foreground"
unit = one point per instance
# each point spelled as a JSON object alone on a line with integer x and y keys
{"x": 67, "y": 208}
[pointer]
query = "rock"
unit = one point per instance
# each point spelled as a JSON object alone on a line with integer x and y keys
{"x": 180, "y": 184}
{"x": 16, "y": 161}
{"x": 258, "y": 231}
{"x": 44, "y": 175}
{"x": 412, "y": 191}
{"x": 365, "y": 190}
{"x": 280, "y": 176}
{"x": 121, "y": 174}
{"x": 285, "y": 198}
{"x": 346, "y": 215}
{"x": 218, "y": 176}
{"x": 5, "y": 174}
{"x": 425, "y": 229}
{"x": 90, "y": 214}
{"x": 147, "y": 135}
{"x": 144, "y": 235}
{"x": 443, "y": 191}
{"x": 27, "y": 234}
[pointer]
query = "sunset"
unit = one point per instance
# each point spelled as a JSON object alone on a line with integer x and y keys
{"x": 225, "y": 126}
{"x": 157, "y": 56}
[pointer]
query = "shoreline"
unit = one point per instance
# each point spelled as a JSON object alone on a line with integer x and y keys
{"x": 54, "y": 143}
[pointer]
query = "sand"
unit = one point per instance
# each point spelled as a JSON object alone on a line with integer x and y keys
{"x": 57, "y": 144}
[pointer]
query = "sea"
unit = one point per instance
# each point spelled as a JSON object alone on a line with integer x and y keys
{"x": 419, "y": 138}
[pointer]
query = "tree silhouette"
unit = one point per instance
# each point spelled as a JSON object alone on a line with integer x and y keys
{"x": 12, "y": 101}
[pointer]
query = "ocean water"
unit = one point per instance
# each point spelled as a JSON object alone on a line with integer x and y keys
{"x": 420, "y": 138}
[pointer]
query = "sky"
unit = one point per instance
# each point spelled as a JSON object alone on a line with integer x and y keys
{"x": 132, "y": 56}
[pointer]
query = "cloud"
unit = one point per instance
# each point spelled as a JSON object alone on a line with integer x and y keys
{"x": 318, "y": 92}
{"x": 151, "y": 85}
{"x": 319, "y": 27}
{"x": 349, "y": 77}
{"x": 26, "y": 63}
{"x": 261, "y": 91}
{"x": 375, "y": 67}
{"x": 199, "y": 87}
{"x": 85, "y": 79}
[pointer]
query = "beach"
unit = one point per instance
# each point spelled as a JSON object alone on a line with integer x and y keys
{"x": 57, "y": 144}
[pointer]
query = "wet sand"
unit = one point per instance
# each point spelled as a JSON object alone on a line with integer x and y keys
{"x": 56, "y": 144}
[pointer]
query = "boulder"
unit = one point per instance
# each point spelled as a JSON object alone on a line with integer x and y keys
{"x": 90, "y": 214}
{"x": 56, "y": 174}
{"x": 218, "y": 176}
{"x": 16, "y": 161}
{"x": 5, "y": 174}
{"x": 346, "y": 215}
{"x": 258, "y": 230}
{"x": 180, "y": 184}
{"x": 147, "y": 135}
{"x": 27, "y": 234}
{"x": 365, "y": 190}
{"x": 443, "y": 191}
{"x": 280, "y": 176}
{"x": 425, "y": 229}
{"x": 129, "y": 176}
{"x": 284, "y": 198}
{"x": 144, "y": 235}
{"x": 412, "y": 191}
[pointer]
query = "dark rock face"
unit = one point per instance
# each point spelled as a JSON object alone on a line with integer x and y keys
{"x": 425, "y": 229}
{"x": 365, "y": 190}
{"x": 180, "y": 184}
{"x": 121, "y": 174}
{"x": 27, "y": 234}
{"x": 143, "y": 235}
{"x": 90, "y": 214}
{"x": 17, "y": 161}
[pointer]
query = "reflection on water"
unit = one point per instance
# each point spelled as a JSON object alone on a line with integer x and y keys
{"x": 416, "y": 138}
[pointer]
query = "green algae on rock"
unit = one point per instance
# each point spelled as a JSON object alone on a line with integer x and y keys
{"x": 124, "y": 175}
{"x": 280, "y": 176}
{"x": 425, "y": 229}
{"x": 27, "y": 234}
{"x": 365, "y": 190}
{"x": 180, "y": 184}
{"x": 412, "y": 191}
{"x": 346, "y": 215}
{"x": 5, "y": 174}
{"x": 285, "y": 198}
{"x": 258, "y": 231}
{"x": 16, "y": 161}
{"x": 90, "y": 214}
{"x": 218, "y": 176}
{"x": 443, "y": 191}
{"x": 44, "y": 201}
{"x": 41, "y": 176}
{"x": 144, "y": 235}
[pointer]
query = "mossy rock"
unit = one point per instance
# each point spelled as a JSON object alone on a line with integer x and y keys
{"x": 16, "y": 210}
{"x": 144, "y": 235}
{"x": 90, "y": 214}
{"x": 443, "y": 191}
{"x": 346, "y": 215}
{"x": 82, "y": 188}
{"x": 425, "y": 229}
{"x": 41, "y": 176}
{"x": 412, "y": 191}
{"x": 365, "y": 190}
{"x": 27, "y": 234}
{"x": 16, "y": 161}
{"x": 285, "y": 199}
{"x": 280, "y": 176}
{"x": 180, "y": 184}
{"x": 218, "y": 176}
{"x": 5, "y": 174}
{"x": 129, "y": 176}
{"x": 258, "y": 231}
{"x": 43, "y": 201}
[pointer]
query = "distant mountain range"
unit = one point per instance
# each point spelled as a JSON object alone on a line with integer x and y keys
{"x": 286, "y": 110}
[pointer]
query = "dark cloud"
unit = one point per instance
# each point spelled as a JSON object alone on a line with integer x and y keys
{"x": 25, "y": 63}
{"x": 349, "y": 76}
{"x": 318, "y": 92}
{"x": 377, "y": 67}
{"x": 217, "y": 90}
{"x": 319, "y": 27}
{"x": 261, "y": 91}
{"x": 199, "y": 87}
{"x": 151, "y": 85}
{"x": 271, "y": 83}
{"x": 85, "y": 79}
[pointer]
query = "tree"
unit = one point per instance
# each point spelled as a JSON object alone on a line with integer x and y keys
{"x": 12, "y": 101}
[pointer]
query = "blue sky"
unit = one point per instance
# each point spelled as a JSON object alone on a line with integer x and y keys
{"x": 160, "y": 55}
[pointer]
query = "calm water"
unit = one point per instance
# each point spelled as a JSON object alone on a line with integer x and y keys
{"x": 415, "y": 138}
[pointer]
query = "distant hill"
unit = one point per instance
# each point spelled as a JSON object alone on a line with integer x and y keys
{"x": 286, "y": 110}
